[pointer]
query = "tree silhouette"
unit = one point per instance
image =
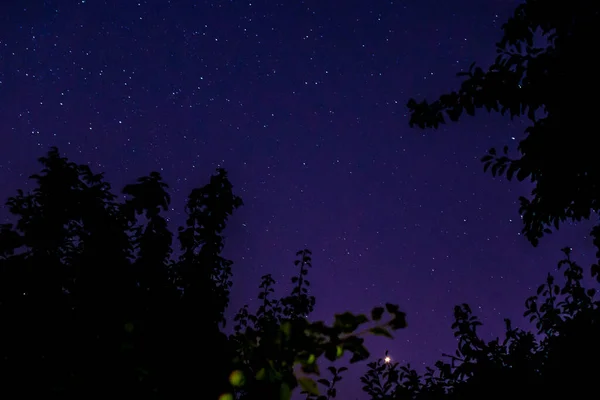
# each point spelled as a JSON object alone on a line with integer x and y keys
{"x": 58, "y": 315}
{"x": 557, "y": 360}
{"x": 539, "y": 75}
{"x": 93, "y": 301}
{"x": 279, "y": 337}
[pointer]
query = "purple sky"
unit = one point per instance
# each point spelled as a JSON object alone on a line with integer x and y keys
{"x": 304, "y": 103}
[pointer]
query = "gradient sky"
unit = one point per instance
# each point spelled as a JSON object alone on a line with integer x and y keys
{"x": 303, "y": 102}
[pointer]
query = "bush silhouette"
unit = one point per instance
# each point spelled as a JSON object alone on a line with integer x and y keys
{"x": 557, "y": 360}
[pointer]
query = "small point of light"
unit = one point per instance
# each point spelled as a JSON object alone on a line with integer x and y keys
{"x": 387, "y": 359}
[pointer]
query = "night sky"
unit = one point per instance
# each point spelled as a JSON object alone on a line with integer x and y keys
{"x": 303, "y": 102}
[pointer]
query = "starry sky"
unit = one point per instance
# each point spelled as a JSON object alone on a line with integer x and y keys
{"x": 303, "y": 102}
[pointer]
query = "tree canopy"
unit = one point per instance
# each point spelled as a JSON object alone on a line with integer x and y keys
{"x": 91, "y": 300}
{"x": 556, "y": 360}
{"x": 541, "y": 74}
{"x": 94, "y": 299}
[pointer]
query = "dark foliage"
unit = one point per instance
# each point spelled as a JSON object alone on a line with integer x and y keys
{"x": 93, "y": 301}
{"x": 543, "y": 73}
{"x": 279, "y": 337}
{"x": 556, "y": 361}
{"x": 540, "y": 75}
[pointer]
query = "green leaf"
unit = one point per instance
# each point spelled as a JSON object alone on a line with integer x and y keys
{"x": 308, "y": 385}
{"x": 237, "y": 378}
{"x": 379, "y": 331}
{"x": 284, "y": 392}
{"x": 286, "y": 328}
{"x": 348, "y": 322}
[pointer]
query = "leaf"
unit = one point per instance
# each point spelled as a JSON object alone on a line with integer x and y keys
{"x": 399, "y": 321}
{"x": 377, "y": 313}
{"x": 522, "y": 175}
{"x": 495, "y": 169}
{"x": 348, "y": 322}
{"x": 391, "y": 308}
{"x": 540, "y": 289}
{"x": 284, "y": 392}
{"x": 237, "y": 378}
{"x": 286, "y": 328}
{"x": 331, "y": 352}
{"x": 309, "y": 386}
{"x": 379, "y": 331}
